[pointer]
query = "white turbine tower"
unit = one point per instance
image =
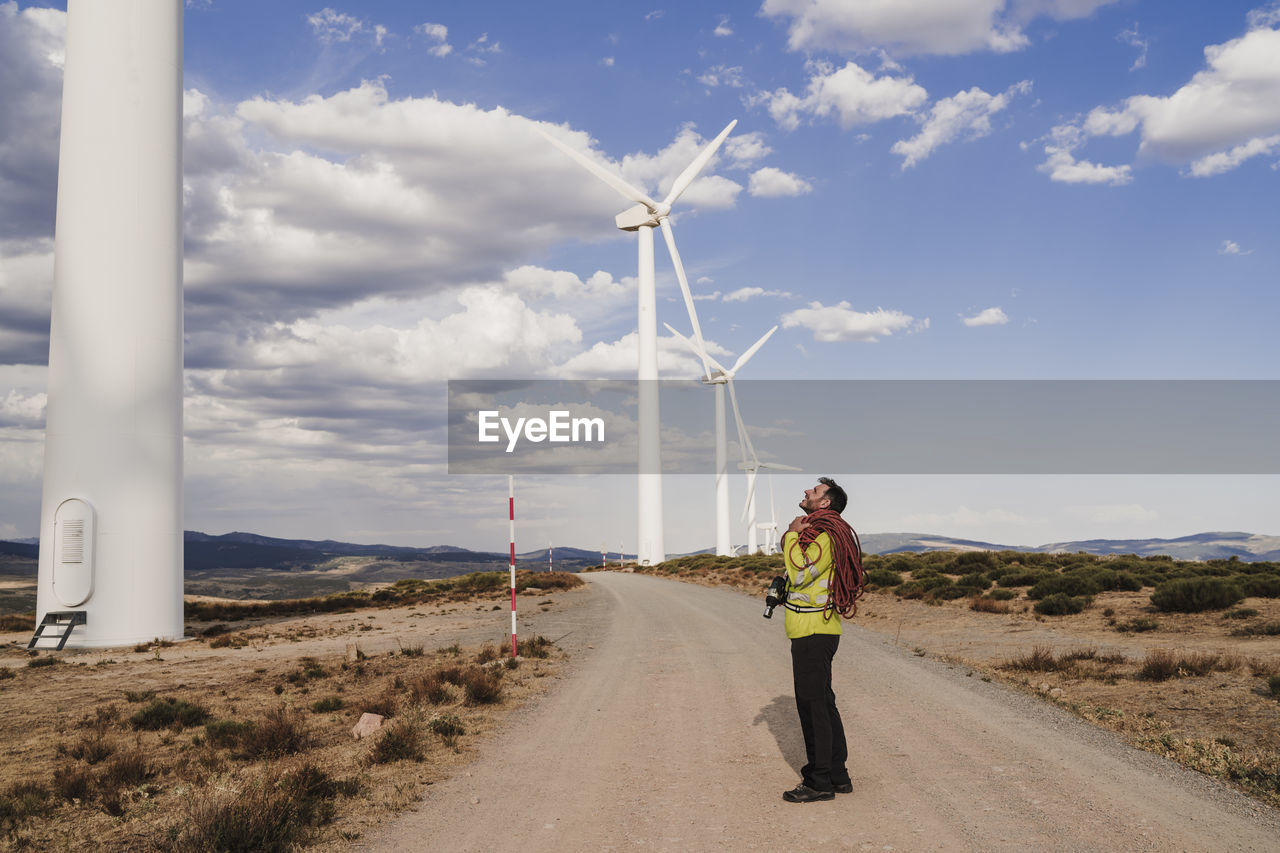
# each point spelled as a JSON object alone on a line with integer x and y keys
{"x": 719, "y": 379}
{"x": 111, "y": 512}
{"x": 643, "y": 218}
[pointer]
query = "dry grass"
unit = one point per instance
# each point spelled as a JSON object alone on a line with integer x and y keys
{"x": 229, "y": 756}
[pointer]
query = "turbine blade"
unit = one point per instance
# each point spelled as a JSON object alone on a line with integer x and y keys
{"x": 751, "y": 491}
{"x": 744, "y": 440}
{"x": 693, "y": 348}
{"x": 691, "y": 171}
{"x": 746, "y": 356}
{"x": 613, "y": 180}
{"x": 778, "y": 466}
{"x": 670, "y": 237}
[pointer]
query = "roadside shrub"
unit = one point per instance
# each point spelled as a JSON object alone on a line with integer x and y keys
{"x": 279, "y": 732}
{"x": 1040, "y": 659}
{"x": 1162, "y": 665}
{"x": 1273, "y": 686}
{"x": 979, "y": 580}
{"x": 988, "y": 605}
{"x": 446, "y": 725}
{"x": 974, "y": 562}
{"x": 1066, "y": 585}
{"x": 259, "y": 817}
{"x": 328, "y": 703}
{"x": 534, "y": 647}
{"x": 6, "y": 672}
{"x": 400, "y": 741}
{"x": 383, "y": 705}
{"x": 1241, "y": 613}
{"x": 36, "y": 663}
{"x": 481, "y": 687}
{"x": 1195, "y": 595}
{"x": 919, "y": 587}
{"x": 1061, "y": 604}
{"x": 1002, "y": 594}
{"x": 883, "y": 579}
{"x": 430, "y": 688}
{"x": 168, "y": 712}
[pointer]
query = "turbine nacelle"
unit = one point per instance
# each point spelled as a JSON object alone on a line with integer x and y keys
{"x": 640, "y": 216}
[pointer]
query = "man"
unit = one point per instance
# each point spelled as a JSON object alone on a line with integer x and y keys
{"x": 824, "y": 579}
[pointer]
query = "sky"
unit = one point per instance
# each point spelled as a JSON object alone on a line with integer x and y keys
{"x": 923, "y": 189}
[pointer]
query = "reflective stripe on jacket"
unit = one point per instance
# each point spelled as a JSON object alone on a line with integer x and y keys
{"x": 808, "y": 586}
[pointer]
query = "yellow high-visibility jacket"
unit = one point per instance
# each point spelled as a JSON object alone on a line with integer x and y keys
{"x": 808, "y": 586}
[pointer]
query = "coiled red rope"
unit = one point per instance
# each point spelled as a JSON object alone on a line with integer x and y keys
{"x": 847, "y": 576}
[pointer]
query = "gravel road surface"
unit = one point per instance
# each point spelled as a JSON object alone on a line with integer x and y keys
{"x": 674, "y": 728}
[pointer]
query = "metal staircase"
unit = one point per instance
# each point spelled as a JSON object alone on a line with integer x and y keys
{"x": 57, "y": 625}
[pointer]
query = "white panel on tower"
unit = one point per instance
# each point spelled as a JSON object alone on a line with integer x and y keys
{"x": 73, "y": 552}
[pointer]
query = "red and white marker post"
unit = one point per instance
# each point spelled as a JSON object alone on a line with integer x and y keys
{"x": 511, "y": 509}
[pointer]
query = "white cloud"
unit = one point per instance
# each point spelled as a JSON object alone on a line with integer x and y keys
{"x": 1231, "y": 247}
{"x": 744, "y": 294}
{"x": 852, "y": 95}
{"x": 617, "y": 360}
{"x": 840, "y": 322}
{"x": 962, "y": 517}
{"x": 438, "y": 35}
{"x": 965, "y": 114}
{"x": 722, "y": 27}
{"x": 743, "y": 149}
{"x": 723, "y": 75}
{"x": 918, "y": 26}
{"x": 1062, "y": 166}
{"x": 331, "y": 27}
{"x": 987, "y": 317}
{"x": 1228, "y": 113}
{"x": 769, "y": 182}
{"x": 1225, "y": 161}
{"x": 1133, "y": 38}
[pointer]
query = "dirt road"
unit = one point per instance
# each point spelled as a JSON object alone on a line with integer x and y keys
{"x": 675, "y": 730}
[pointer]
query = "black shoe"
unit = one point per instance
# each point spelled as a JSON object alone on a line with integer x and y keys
{"x": 805, "y": 794}
{"x": 843, "y": 787}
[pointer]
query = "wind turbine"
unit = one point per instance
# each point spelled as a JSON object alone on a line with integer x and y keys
{"x": 719, "y": 379}
{"x": 646, "y": 215}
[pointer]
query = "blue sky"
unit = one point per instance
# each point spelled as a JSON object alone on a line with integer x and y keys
{"x": 928, "y": 189}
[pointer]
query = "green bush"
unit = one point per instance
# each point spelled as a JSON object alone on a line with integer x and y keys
{"x": 1021, "y": 577}
{"x": 226, "y": 733}
{"x": 1061, "y": 604}
{"x": 883, "y": 579}
{"x": 1138, "y": 625}
{"x": 400, "y": 741}
{"x": 328, "y": 703}
{"x": 1067, "y": 585}
{"x": 1128, "y": 582}
{"x": 1195, "y": 595}
{"x": 1273, "y": 685}
{"x": 170, "y": 713}
{"x": 975, "y": 579}
{"x": 1002, "y": 594}
{"x": 1258, "y": 586}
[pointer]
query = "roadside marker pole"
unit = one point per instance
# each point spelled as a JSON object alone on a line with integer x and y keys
{"x": 550, "y": 568}
{"x": 604, "y": 561}
{"x": 511, "y": 510}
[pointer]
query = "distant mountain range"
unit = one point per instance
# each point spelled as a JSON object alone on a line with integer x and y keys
{"x": 250, "y": 550}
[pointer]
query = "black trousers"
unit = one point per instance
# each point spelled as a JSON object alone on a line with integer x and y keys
{"x": 824, "y": 742}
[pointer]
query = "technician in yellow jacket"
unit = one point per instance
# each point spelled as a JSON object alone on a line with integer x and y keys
{"x": 814, "y": 631}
